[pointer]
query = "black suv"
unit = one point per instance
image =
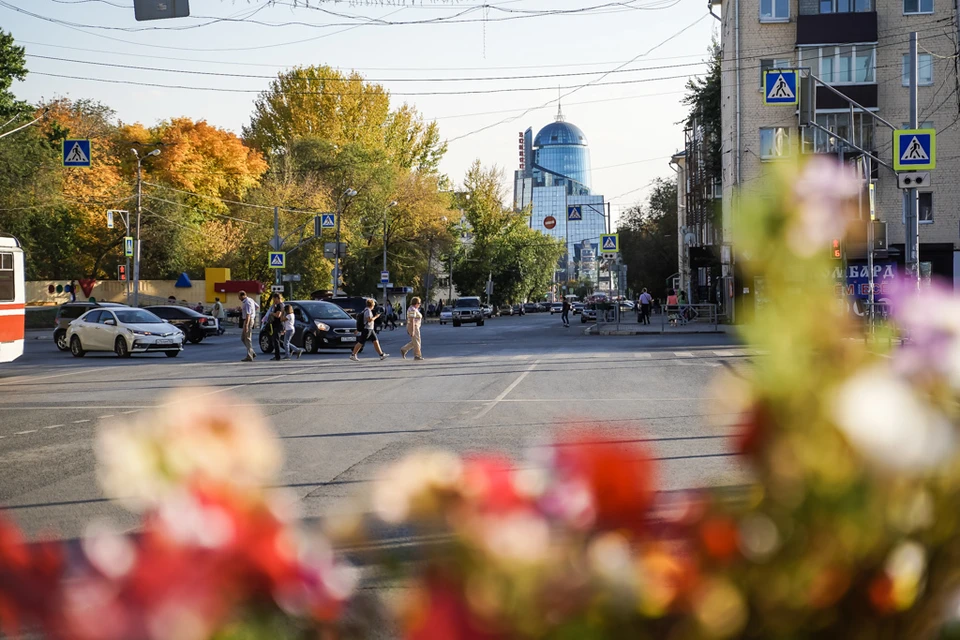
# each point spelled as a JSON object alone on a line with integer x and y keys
{"x": 69, "y": 312}
{"x": 467, "y": 310}
{"x": 195, "y": 326}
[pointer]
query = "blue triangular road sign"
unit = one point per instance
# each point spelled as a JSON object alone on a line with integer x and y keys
{"x": 574, "y": 213}
{"x": 328, "y": 221}
{"x": 609, "y": 244}
{"x": 276, "y": 260}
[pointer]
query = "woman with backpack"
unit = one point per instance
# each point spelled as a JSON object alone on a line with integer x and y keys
{"x": 366, "y": 322}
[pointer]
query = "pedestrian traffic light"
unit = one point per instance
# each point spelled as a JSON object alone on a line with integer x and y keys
{"x": 121, "y": 272}
{"x": 837, "y": 249}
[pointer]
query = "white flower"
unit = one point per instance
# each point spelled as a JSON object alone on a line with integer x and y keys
{"x": 884, "y": 418}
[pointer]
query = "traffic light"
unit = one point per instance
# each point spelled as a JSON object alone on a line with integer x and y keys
{"x": 837, "y": 249}
{"x": 160, "y": 9}
{"x": 121, "y": 272}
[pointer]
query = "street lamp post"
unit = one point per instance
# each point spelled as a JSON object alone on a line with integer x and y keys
{"x": 386, "y": 212}
{"x": 136, "y": 244}
{"x": 349, "y": 193}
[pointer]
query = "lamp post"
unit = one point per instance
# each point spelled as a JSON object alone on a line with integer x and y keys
{"x": 349, "y": 193}
{"x": 386, "y": 212}
{"x": 136, "y": 245}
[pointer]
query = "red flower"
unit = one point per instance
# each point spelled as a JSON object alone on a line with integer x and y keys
{"x": 443, "y": 613}
{"x": 488, "y": 482}
{"x": 620, "y": 477}
{"x": 719, "y": 537}
{"x": 756, "y": 427}
{"x": 30, "y": 577}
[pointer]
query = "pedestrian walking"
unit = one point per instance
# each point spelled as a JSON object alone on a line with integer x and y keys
{"x": 289, "y": 328}
{"x": 275, "y": 318}
{"x": 565, "y": 313}
{"x": 645, "y": 301}
{"x": 248, "y": 313}
{"x": 367, "y": 333}
{"x": 220, "y": 314}
{"x": 414, "y": 320}
{"x": 673, "y": 308}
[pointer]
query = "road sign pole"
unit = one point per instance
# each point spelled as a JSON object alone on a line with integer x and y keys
{"x": 911, "y": 198}
{"x": 136, "y": 246}
{"x": 276, "y": 234}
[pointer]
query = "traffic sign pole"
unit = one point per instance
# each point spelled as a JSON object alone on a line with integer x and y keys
{"x": 911, "y": 198}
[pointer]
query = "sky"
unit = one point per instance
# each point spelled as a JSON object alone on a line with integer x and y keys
{"x": 648, "y": 49}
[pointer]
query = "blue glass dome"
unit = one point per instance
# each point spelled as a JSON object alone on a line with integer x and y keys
{"x": 560, "y": 133}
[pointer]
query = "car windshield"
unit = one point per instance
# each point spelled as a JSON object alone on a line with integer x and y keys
{"x": 71, "y": 312}
{"x": 447, "y": 309}
{"x": 136, "y": 316}
{"x": 325, "y": 311}
{"x": 468, "y": 303}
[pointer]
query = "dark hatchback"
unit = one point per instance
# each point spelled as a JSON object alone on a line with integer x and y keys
{"x": 195, "y": 326}
{"x": 318, "y": 325}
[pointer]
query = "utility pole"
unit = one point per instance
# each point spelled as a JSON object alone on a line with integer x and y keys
{"x": 450, "y": 294}
{"x": 911, "y": 199}
{"x": 276, "y": 241}
{"x": 349, "y": 193}
{"x": 136, "y": 242}
{"x": 386, "y": 212}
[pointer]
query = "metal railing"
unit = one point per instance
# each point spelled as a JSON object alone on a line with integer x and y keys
{"x": 664, "y": 320}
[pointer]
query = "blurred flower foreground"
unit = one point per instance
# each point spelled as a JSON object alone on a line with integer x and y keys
{"x": 850, "y": 528}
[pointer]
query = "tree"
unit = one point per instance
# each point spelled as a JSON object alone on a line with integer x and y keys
{"x": 648, "y": 237}
{"x": 12, "y": 67}
{"x": 703, "y": 100}
{"x": 323, "y": 103}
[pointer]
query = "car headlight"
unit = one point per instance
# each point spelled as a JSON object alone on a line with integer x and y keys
{"x": 140, "y": 333}
{"x": 321, "y": 326}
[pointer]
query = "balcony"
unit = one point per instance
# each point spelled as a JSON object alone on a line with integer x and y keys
{"x": 865, "y": 94}
{"x": 836, "y": 28}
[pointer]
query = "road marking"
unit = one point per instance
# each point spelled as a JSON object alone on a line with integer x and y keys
{"x": 728, "y": 354}
{"x": 80, "y": 421}
{"x": 29, "y": 379}
{"x": 20, "y": 433}
{"x": 682, "y": 354}
{"x": 109, "y": 415}
{"x": 54, "y": 426}
{"x": 506, "y": 392}
{"x": 131, "y": 411}
{"x": 642, "y": 354}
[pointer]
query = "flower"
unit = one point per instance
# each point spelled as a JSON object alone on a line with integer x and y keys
{"x": 193, "y": 435}
{"x": 417, "y": 486}
{"x": 930, "y": 318}
{"x": 824, "y": 194}
{"x": 884, "y": 418}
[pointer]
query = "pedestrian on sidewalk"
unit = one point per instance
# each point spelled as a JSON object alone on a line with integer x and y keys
{"x": 276, "y": 314}
{"x": 391, "y": 316}
{"x": 565, "y": 313}
{"x": 673, "y": 308}
{"x": 645, "y": 300}
{"x": 414, "y": 319}
{"x": 218, "y": 313}
{"x": 289, "y": 328}
{"x": 248, "y": 314}
{"x": 368, "y": 333}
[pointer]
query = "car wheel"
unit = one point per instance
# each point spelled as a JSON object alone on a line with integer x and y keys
{"x": 480, "y": 323}
{"x": 171, "y": 354}
{"x": 196, "y": 336}
{"x": 456, "y": 324}
{"x": 309, "y": 343}
{"x": 120, "y": 348}
{"x": 76, "y": 348}
{"x": 60, "y": 337}
{"x": 583, "y": 320}
{"x": 266, "y": 345}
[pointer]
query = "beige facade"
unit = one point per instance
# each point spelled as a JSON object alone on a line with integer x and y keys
{"x": 857, "y": 46}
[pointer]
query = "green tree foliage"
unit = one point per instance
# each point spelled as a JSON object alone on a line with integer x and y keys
{"x": 12, "y": 67}
{"x": 519, "y": 260}
{"x": 648, "y": 239}
{"x": 703, "y": 101}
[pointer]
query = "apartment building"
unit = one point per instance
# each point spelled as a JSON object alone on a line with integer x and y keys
{"x": 859, "y": 47}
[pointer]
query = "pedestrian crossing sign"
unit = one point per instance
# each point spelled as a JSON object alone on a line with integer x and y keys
{"x": 914, "y": 149}
{"x": 780, "y": 87}
{"x": 76, "y": 153}
{"x": 278, "y": 259}
{"x": 610, "y": 243}
{"x": 328, "y": 221}
{"x": 574, "y": 213}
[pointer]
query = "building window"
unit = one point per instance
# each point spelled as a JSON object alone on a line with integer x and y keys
{"x": 850, "y": 64}
{"x": 917, "y": 6}
{"x": 847, "y": 6}
{"x": 774, "y": 142}
{"x": 774, "y": 10}
{"x": 7, "y": 288}
{"x": 926, "y": 207}
{"x": 924, "y": 69}
{"x": 864, "y": 129}
{"x": 768, "y": 64}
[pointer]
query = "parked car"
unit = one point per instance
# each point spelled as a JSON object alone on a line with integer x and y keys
{"x": 577, "y": 308}
{"x": 446, "y": 315}
{"x": 531, "y": 307}
{"x": 487, "y": 310}
{"x": 518, "y": 310}
{"x": 467, "y": 310}
{"x": 506, "y": 310}
{"x": 69, "y": 312}
{"x": 543, "y": 306}
{"x": 589, "y": 313}
{"x": 124, "y": 331}
{"x": 556, "y": 307}
{"x": 195, "y": 326}
{"x": 317, "y": 325}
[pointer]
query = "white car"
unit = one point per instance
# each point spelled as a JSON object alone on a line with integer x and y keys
{"x": 123, "y": 331}
{"x": 446, "y": 315}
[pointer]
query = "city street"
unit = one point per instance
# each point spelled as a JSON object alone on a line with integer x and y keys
{"x": 504, "y": 386}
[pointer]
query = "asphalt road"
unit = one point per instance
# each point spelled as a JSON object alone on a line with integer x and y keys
{"x": 505, "y": 386}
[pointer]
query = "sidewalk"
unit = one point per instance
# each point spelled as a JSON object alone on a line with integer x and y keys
{"x": 628, "y": 326}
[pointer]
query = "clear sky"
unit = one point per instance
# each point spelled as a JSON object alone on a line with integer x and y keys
{"x": 629, "y": 117}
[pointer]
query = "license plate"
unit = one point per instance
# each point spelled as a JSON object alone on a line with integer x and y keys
{"x": 348, "y": 339}
{"x": 165, "y": 342}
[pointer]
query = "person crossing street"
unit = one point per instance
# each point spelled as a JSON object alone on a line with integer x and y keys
{"x": 248, "y": 313}
{"x": 276, "y": 325}
{"x": 565, "y": 313}
{"x": 368, "y": 333}
{"x": 414, "y": 320}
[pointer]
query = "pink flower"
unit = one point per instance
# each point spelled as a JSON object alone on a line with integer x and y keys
{"x": 825, "y": 196}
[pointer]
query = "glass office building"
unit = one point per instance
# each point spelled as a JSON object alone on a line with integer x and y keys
{"x": 561, "y": 158}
